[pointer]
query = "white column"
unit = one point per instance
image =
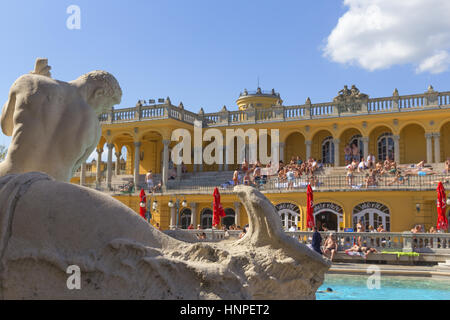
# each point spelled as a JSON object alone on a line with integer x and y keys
{"x": 281, "y": 148}
{"x": 173, "y": 218}
{"x": 429, "y": 137}
{"x": 137, "y": 151}
{"x": 83, "y": 174}
{"x": 179, "y": 167}
{"x": 437, "y": 147}
{"x": 194, "y": 214}
{"x": 225, "y": 165}
{"x": 336, "y": 152}
{"x": 308, "y": 149}
{"x": 237, "y": 213}
{"x": 109, "y": 165}
{"x": 99, "y": 166}
{"x": 365, "y": 141}
{"x": 396, "y": 148}
{"x": 118, "y": 154}
{"x": 165, "y": 169}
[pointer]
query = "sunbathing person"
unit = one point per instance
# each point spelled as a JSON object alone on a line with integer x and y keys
{"x": 330, "y": 247}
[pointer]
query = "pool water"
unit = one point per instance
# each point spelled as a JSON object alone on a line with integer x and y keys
{"x": 354, "y": 287}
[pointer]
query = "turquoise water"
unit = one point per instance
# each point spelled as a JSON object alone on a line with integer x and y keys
{"x": 354, "y": 287}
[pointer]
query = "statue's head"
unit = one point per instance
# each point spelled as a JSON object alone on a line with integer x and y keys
{"x": 102, "y": 90}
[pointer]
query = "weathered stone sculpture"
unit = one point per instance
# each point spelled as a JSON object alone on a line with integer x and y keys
{"x": 47, "y": 226}
{"x": 53, "y": 124}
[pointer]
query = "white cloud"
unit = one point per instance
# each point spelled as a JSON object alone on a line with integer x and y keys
{"x": 377, "y": 34}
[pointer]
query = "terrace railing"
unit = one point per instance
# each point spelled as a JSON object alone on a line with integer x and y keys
{"x": 382, "y": 241}
{"x": 396, "y": 103}
{"x": 319, "y": 183}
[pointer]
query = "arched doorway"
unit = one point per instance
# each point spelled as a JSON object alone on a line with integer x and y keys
{"x": 206, "y": 218}
{"x": 372, "y": 214}
{"x": 229, "y": 218}
{"x": 328, "y": 213}
{"x": 328, "y": 150}
{"x": 385, "y": 146}
{"x": 185, "y": 217}
{"x": 356, "y": 140}
{"x": 289, "y": 214}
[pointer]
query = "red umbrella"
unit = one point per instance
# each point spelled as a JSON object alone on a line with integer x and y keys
{"x": 217, "y": 208}
{"x": 142, "y": 204}
{"x": 442, "y": 222}
{"x": 309, "y": 207}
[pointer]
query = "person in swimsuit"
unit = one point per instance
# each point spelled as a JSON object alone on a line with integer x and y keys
{"x": 330, "y": 247}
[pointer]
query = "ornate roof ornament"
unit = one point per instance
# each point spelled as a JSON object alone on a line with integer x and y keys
{"x": 395, "y": 94}
{"x": 308, "y": 101}
{"x": 168, "y": 101}
{"x": 350, "y": 100}
{"x": 201, "y": 112}
{"x": 224, "y": 109}
{"x": 181, "y": 106}
{"x": 430, "y": 89}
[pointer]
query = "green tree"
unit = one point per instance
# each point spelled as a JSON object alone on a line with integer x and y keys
{"x": 3, "y": 152}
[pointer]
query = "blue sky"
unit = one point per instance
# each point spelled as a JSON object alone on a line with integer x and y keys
{"x": 204, "y": 53}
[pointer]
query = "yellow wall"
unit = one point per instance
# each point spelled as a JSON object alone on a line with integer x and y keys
{"x": 401, "y": 204}
{"x": 412, "y": 144}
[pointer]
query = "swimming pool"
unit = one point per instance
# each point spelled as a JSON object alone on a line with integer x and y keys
{"x": 354, "y": 287}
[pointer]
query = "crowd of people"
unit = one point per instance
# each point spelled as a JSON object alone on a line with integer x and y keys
{"x": 360, "y": 172}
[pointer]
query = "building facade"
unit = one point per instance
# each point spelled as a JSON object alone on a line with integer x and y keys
{"x": 405, "y": 128}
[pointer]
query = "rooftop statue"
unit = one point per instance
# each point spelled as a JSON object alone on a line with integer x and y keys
{"x": 47, "y": 225}
{"x": 349, "y": 100}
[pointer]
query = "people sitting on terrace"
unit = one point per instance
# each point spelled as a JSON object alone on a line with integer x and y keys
{"x": 330, "y": 247}
{"x": 371, "y": 161}
{"x": 190, "y": 227}
{"x": 381, "y": 228}
{"x": 447, "y": 166}
{"x": 129, "y": 187}
{"x": 245, "y": 166}
{"x": 350, "y": 174}
{"x": 236, "y": 176}
{"x": 362, "y": 166}
{"x": 365, "y": 250}
{"x": 398, "y": 178}
{"x": 360, "y": 226}
{"x": 355, "y": 152}
{"x": 417, "y": 229}
{"x": 347, "y": 154}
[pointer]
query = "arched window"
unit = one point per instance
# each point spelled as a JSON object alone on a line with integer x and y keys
{"x": 228, "y": 220}
{"x": 185, "y": 218}
{"x": 357, "y": 140}
{"x": 372, "y": 214}
{"x": 206, "y": 218}
{"x": 385, "y": 145}
{"x": 328, "y": 150}
{"x": 289, "y": 214}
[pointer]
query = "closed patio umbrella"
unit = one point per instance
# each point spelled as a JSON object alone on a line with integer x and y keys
{"x": 309, "y": 208}
{"x": 142, "y": 204}
{"x": 217, "y": 208}
{"x": 442, "y": 222}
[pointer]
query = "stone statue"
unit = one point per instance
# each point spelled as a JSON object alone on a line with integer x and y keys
{"x": 48, "y": 225}
{"x": 54, "y": 124}
{"x": 354, "y": 91}
{"x": 42, "y": 68}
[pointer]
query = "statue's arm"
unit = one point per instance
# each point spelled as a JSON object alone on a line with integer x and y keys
{"x": 8, "y": 114}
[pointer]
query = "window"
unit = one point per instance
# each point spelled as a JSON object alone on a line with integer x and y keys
{"x": 289, "y": 214}
{"x": 185, "y": 218}
{"x": 385, "y": 146}
{"x": 328, "y": 150}
{"x": 372, "y": 214}
{"x": 357, "y": 140}
{"x": 206, "y": 218}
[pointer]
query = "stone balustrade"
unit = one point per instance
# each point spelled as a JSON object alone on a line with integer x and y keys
{"x": 429, "y": 100}
{"x": 388, "y": 241}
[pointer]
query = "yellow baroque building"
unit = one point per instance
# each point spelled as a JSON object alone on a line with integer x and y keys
{"x": 405, "y": 128}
